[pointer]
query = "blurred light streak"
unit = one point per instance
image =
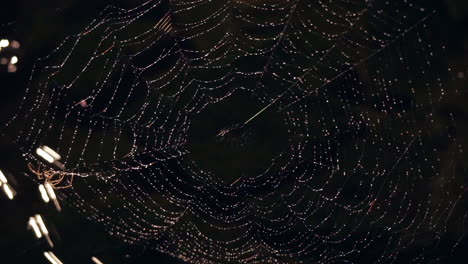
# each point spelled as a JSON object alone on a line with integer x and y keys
{"x": 52, "y": 258}
{"x": 3, "y": 179}
{"x": 50, "y": 191}
{"x": 45, "y": 155}
{"x": 43, "y": 229}
{"x": 96, "y": 260}
{"x": 51, "y": 152}
{"x": 33, "y": 224}
{"x": 43, "y": 192}
{"x": 10, "y": 193}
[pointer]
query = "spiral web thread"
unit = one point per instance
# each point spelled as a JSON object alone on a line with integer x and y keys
{"x": 359, "y": 85}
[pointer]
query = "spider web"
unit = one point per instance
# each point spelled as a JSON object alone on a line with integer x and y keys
{"x": 360, "y": 85}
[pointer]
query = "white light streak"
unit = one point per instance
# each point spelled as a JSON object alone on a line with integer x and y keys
{"x": 49, "y": 257}
{"x": 43, "y": 229}
{"x": 8, "y": 191}
{"x": 41, "y": 224}
{"x": 48, "y": 154}
{"x": 55, "y": 258}
{"x": 52, "y": 258}
{"x": 4, "y": 43}
{"x": 43, "y": 192}
{"x": 51, "y": 152}
{"x": 3, "y": 179}
{"x": 33, "y": 224}
{"x": 96, "y": 260}
{"x": 14, "y": 60}
{"x": 45, "y": 155}
{"x": 50, "y": 191}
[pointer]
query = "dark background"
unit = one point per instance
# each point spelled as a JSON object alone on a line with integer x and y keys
{"x": 39, "y": 26}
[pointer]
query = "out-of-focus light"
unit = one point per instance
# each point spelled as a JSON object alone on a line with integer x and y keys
{"x": 14, "y": 60}
{"x": 12, "y": 68}
{"x": 43, "y": 229}
{"x": 56, "y": 259}
{"x": 41, "y": 224}
{"x": 83, "y": 103}
{"x": 3, "y": 179}
{"x": 45, "y": 155}
{"x": 3, "y": 61}
{"x": 96, "y": 260}
{"x": 49, "y": 258}
{"x": 48, "y": 154}
{"x": 43, "y": 192}
{"x": 50, "y": 191}
{"x": 52, "y": 258}
{"x": 4, "y": 43}
{"x": 15, "y": 44}
{"x": 33, "y": 224}
{"x": 8, "y": 191}
{"x": 51, "y": 152}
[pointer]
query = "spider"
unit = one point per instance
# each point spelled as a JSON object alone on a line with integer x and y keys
{"x": 236, "y": 135}
{"x": 53, "y": 177}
